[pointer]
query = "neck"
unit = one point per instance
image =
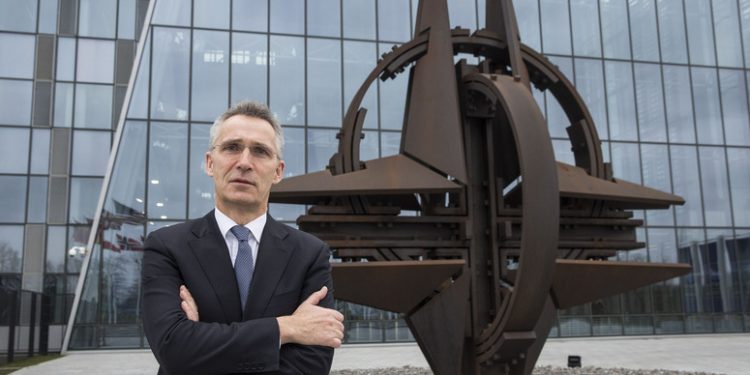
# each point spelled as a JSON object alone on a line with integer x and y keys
{"x": 241, "y": 215}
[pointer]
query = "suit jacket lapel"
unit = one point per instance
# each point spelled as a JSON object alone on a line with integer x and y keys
{"x": 273, "y": 257}
{"x": 209, "y": 247}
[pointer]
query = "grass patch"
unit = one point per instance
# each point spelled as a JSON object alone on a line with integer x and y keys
{"x": 7, "y": 368}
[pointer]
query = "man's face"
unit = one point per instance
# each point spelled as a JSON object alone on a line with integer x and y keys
{"x": 244, "y": 164}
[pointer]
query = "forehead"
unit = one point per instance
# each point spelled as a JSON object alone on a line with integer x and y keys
{"x": 246, "y": 128}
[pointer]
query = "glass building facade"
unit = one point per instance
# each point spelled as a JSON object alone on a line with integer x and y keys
{"x": 666, "y": 82}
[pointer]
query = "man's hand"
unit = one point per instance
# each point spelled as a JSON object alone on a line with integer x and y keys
{"x": 311, "y": 324}
{"x": 188, "y": 304}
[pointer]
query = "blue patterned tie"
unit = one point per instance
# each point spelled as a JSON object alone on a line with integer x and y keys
{"x": 243, "y": 264}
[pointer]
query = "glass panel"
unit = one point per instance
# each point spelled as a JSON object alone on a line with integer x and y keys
{"x": 622, "y": 113}
{"x": 462, "y": 13}
{"x": 578, "y": 326}
{"x": 390, "y": 143}
{"x": 590, "y": 85}
{"x": 555, "y": 26}
{"x": 321, "y": 144}
{"x": 324, "y": 82}
{"x": 18, "y": 15}
{"x": 392, "y": 98}
{"x": 169, "y": 78}
{"x": 672, "y": 31}
{"x": 288, "y": 16}
{"x": 17, "y": 59}
{"x": 211, "y": 13}
{"x": 707, "y": 107}
{"x": 678, "y": 104}
{"x": 745, "y": 20}
{"x": 167, "y": 171}
{"x": 14, "y": 150}
{"x": 40, "y": 151}
{"x": 55, "y": 258}
{"x": 48, "y": 16}
{"x": 656, "y": 174}
{"x": 126, "y": 22}
{"x": 606, "y": 326}
{"x": 37, "y": 206}
{"x": 93, "y": 106}
{"x": 64, "y": 105}
{"x": 250, "y": 15}
{"x": 91, "y": 159}
{"x": 96, "y": 18}
{"x": 734, "y": 107}
{"x": 643, "y": 30}
{"x": 324, "y": 18}
{"x": 686, "y": 184}
{"x": 127, "y": 187}
{"x": 13, "y": 199}
{"x": 739, "y": 170}
{"x": 359, "y": 19}
{"x": 714, "y": 180}
{"x": 369, "y": 146}
{"x": 648, "y": 96}
{"x": 585, "y": 21}
{"x": 249, "y": 67}
{"x": 84, "y": 196}
{"x": 727, "y": 29}
{"x": 625, "y": 161}
{"x": 96, "y": 61}
{"x": 359, "y": 60}
{"x": 287, "y": 60}
{"x": 294, "y": 151}
{"x": 615, "y": 33}
{"x": 700, "y": 33}
{"x": 563, "y": 151}
{"x": 639, "y": 325}
{"x": 15, "y": 102}
{"x": 66, "y": 59}
{"x": 394, "y": 18}
{"x": 11, "y": 248}
{"x": 527, "y": 15}
{"x": 172, "y": 12}
{"x": 201, "y": 195}
{"x": 139, "y": 99}
{"x": 210, "y": 74}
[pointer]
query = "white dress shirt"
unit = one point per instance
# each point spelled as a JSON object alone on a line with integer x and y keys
{"x": 256, "y": 228}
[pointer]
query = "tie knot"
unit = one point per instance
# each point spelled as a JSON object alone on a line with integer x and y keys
{"x": 242, "y": 233}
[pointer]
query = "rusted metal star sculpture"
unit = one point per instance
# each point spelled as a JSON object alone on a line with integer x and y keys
{"x": 503, "y": 235}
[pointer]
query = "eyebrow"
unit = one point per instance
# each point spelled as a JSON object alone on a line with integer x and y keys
{"x": 252, "y": 143}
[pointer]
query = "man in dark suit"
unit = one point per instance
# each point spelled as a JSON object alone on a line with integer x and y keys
{"x": 236, "y": 291}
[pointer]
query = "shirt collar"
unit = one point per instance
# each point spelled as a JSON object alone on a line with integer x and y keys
{"x": 225, "y": 224}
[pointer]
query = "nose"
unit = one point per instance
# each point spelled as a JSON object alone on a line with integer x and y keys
{"x": 245, "y": 161}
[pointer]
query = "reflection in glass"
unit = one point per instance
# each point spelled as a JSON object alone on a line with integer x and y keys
{"x": 590, "y": 85}
{"x": 95, "y": 18}
{"x": 672, "y": 31}
{"x": 321, "y": 144}
{"x": 171, "y": 12}
{"x": 63, "y": 105}
{"x": 626, "y": 162}
{"x": 40, "y": 152}
{"x": 678, "y": 104}
{"x": 37, "y": 208}
{"x": 739, "y": 170}
{"x": 727, "y": 29}
{"x": 13, "y": 199}
{"x": 288, "y": 16}
{"x": 707, "y": 106}
{"x": 359, "y": 19}
{"x": 687, "y": 185}
{"x": 643, "y": 30}
{"x": 167, "y": 171}
{"x": 249, "y": 67}
{"x": 211, "y": 14}
{"x": 622, "y": 121}
{"x": 17, "y": 59}
{"x": 93, "y": 107}
{"x": 585, "y": 22}
{"x": 615, "y": 33}
{"x": 324, "y": 82}
{"x": 369, "y": 146}
{"x": 324, "y": 18}
{"x": 390, "y": 143}
{"x": 734, "y": 107}
{"x": 714, "y": 181}
{"x": 656, "y": 174}
{"x": 11, "y": 248}
{"x": 84, "y": 196}
{"x": 14, "y": 150}
{"x": 18, "y": 16}
{"x": 169, "y": 78}
{"x": 126, "y": 192}
{"x": 139, "y": 99}
{"x": 250, "y": 15}
{"x": 96, "y": 61}
{"x": 648, "y": 96}
{"x": 294, "y": 151}
{"x": 201, "y": 188}
{"x": 66, "y": 59}
{"x": 91, "y": 159}
{"x": 287, "y": 61}
{"x": 563, "y": 151}
{"x": 359, "y": 60}
{"x": 15, "y": 102}
{"x": 555, "y": 26}
{"x": 745, "y": 23}
{"x": 210, "y": 79}
{"x": 55, "y": 257}
{"x": 700, "y": 33}
{"x": 126, "y": 22}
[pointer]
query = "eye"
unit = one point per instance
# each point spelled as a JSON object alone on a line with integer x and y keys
{"x": 231, "y": 147}
{"x": 261, "y": 151}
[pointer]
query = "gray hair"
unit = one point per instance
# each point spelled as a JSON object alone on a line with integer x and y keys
{"x": 250, "y": 109}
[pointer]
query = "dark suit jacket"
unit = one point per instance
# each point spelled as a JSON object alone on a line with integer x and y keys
{"x": 291, "y": 265}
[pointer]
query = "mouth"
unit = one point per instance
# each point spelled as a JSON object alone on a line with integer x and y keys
{"x": 242, "y": 181}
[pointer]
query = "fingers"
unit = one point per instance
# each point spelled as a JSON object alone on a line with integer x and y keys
{"x": 188, "y": 304}
{"x": 316, "y": 297}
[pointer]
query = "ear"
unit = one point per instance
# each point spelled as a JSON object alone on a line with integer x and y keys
{"x": 209, "y": 164}
{"x": 279, "y": 172}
